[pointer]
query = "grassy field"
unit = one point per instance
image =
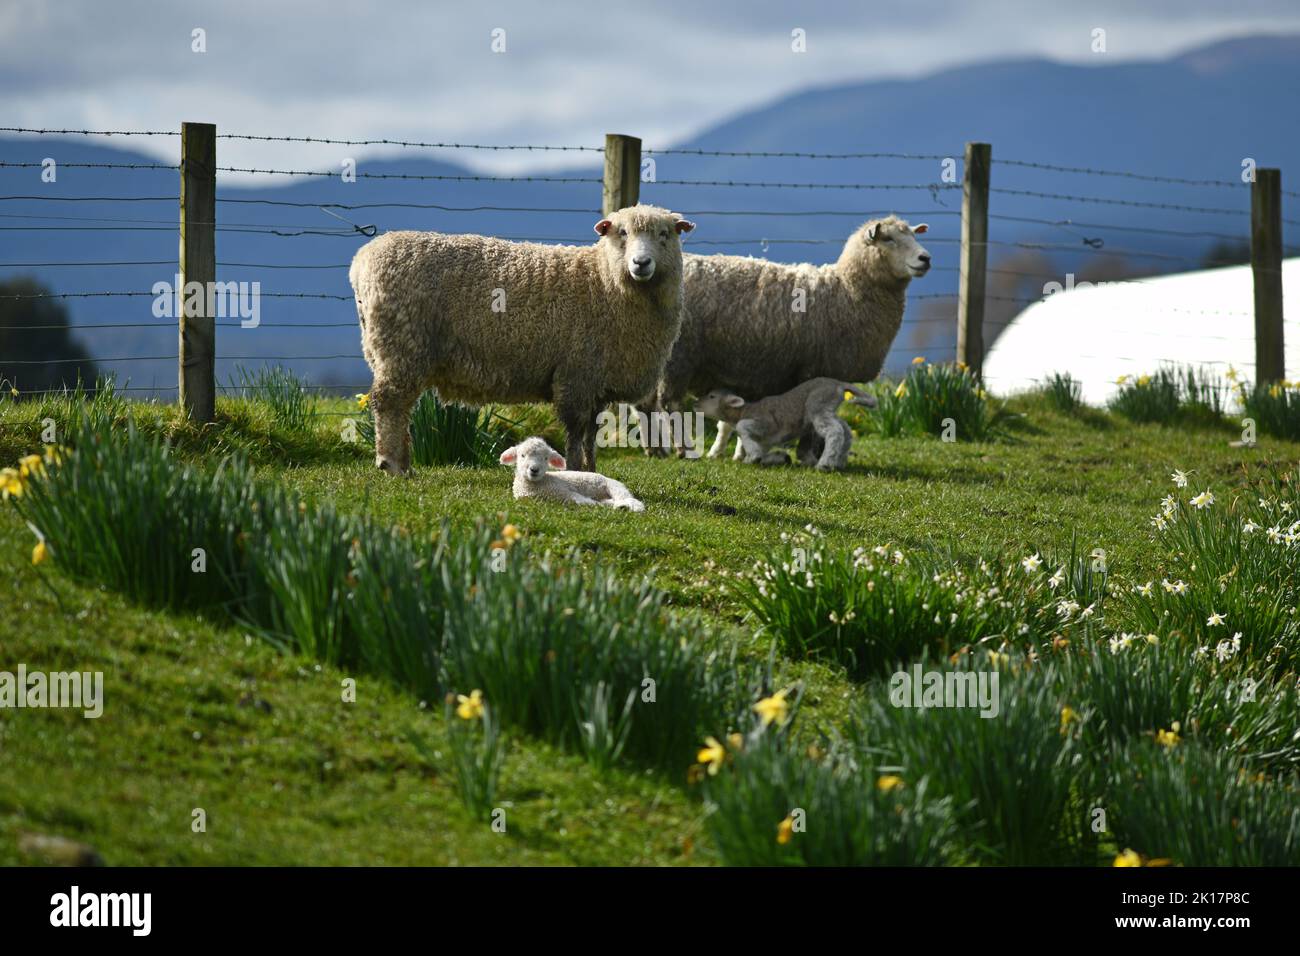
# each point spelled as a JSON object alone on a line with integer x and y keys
{"x": 199, "y": 714}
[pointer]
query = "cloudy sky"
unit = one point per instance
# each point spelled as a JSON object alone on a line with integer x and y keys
{"x": 416, "y": 69}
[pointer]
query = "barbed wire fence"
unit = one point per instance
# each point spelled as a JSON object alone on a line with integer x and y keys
{"x": 627, "y": 170}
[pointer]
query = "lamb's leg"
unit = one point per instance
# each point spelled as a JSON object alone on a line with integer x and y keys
{"x": 720, "y": 443}
{"x": 392, "y": 404}
{"x": 750, "y": 441}
{"x": 838, "y": 436}
{"x": 620, "y": 497}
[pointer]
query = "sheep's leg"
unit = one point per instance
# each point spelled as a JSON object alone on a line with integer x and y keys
{"x": 589, "y": 442}
{"x": 720, "y": 443}
{"x": 838, "y": 436}
{"x": 620, "y": 497}
{"x": 750, "y": 442}
{"x": 575, "y": 422}
{"x": 392, "y": 406}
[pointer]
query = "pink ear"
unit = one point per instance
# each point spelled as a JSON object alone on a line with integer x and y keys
{"x": 509, "y": 455}
{"x": 684, "y": 225}
{"x": 923, "y": 227}
{"x": 602, "y": 227}
{"x": 557, "y": 462}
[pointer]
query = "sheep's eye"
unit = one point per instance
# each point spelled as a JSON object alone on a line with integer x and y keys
{"x": 622, "y": 233}
{"x": 663, "y": 234}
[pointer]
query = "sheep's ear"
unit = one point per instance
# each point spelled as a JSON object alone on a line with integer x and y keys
{"x": 922, "y": 227}
{"x": 556, "y": 461}
{"x": 602, "y": 227}
{"x": 735, "y": 401}
{"x": 872, "y": 231}
{"x": 684, "y": 225}
{"x": 509, "y": 455}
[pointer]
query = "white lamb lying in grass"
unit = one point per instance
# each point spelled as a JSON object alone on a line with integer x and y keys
{"x": 533, "y": 460}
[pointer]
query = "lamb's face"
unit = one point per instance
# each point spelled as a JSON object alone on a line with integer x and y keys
{"x": 893, "y": 242}
{"x": 719, "y": 404}
{"x": 531, "y": 458}
{"x": 642, "y": 242}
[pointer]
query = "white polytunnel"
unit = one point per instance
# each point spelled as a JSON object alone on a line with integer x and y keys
{"x": 1101, "y": 332}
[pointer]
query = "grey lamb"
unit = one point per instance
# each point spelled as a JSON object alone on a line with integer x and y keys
{"x": 806, "y": 413}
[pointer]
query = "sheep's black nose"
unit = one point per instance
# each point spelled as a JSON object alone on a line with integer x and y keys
{"x": 641, "y": 261}
{"x": 924, "y": 257}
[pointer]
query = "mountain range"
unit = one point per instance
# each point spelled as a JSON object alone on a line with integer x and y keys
{"x": 1197, "y": 116}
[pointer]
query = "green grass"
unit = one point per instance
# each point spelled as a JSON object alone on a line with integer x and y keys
{"x": 289, "y": 773}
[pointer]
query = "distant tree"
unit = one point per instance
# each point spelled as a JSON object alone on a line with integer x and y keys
{"x": 35, "y": 330}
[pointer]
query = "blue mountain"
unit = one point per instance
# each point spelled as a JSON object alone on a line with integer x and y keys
{"x": 1197, "y": 116}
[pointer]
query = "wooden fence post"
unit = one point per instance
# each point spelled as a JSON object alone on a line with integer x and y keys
{"x": 622, "y": 172}
{"x": 198, "y": 263}
{"x": 1266, "y": 264}
{"x": 974, "y": 256}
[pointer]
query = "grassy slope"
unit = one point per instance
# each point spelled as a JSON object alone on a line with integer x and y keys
{"x": 312, "y": 780}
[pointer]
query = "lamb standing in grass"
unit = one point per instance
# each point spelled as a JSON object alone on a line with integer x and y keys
{"x": 806, "y": 413}
{"x": 760, "y": 328}
{"x": 533, "y": 458}
{"x": 485, "y": 320}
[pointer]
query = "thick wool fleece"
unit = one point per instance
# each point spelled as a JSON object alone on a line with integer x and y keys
{"x": 485, "y": 320}
{"x": 740, "y": 331}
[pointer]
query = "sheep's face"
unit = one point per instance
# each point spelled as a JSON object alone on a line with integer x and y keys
{"x": 642, "y": 242}
{"x": 720, "y": 404}
{"x": 893, "y": 244}
{"x": 531, "y": 458}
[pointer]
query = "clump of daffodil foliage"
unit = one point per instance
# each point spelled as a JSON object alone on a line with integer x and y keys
{"x": 941, "y": 399}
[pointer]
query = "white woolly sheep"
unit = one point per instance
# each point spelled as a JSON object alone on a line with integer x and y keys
{"x": 759, "y": 328}
{"x": 484, "y": 320}
{"x": 533, "y": 459}
{"x": 806, "y": 413}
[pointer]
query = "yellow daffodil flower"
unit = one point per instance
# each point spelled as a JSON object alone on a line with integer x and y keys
{"x": 889, "y": 782}
{"x": 774, "y": 708}
{"x": 785, "y": 830}
{"x": 713, "y": 755}
{"x": 1128, "y": 858}
{"x": 40, "y": 552}
{"x": 471, "y": 707}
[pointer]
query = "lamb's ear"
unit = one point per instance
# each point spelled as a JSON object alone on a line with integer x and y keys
{"x": 920, "y": 228}
{"x": 556, "y": 461}
{"x": 735, "y": 401}
{"x": 602, "y": 227}
{"x": 509, "y": 455}
{"x": 684, "y": 225}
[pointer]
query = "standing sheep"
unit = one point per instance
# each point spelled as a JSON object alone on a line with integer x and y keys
{"x": 533, "y": 460}
{"x": 760, "y": 328}
{"x": 485, "y": 320}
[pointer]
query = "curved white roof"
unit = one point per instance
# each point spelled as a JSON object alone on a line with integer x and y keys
{"x": 1111, "y": 329}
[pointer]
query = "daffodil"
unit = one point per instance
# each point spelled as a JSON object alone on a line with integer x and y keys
{"x": 30, "y": 465}
{"x": 40, "y": 552}
{"x": 901, "y": 390}
{"x": 1179, "y": 478}
{"x": 1215, "y": 619}
{"x": 774, "y": 708}
{"x": 1128, "y": 858}
{"x": 510, "y": 534}
{"x": 1203, "y": 500}
{"x": 11, "y": 483}
{"x": 919, "y": 360}
{"x": 1068, "y": 717}
{"x": 1168, "y": 738}
{"x": 1121, "y": 380}
{"x": 363, "y": 400}
{"x": 712, "y": 755}
{"x": 471, "y": 707}
{"x": 785, "y": 830}
{"x": 1031, "y": 563}
{"x": 889, "y": 782}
